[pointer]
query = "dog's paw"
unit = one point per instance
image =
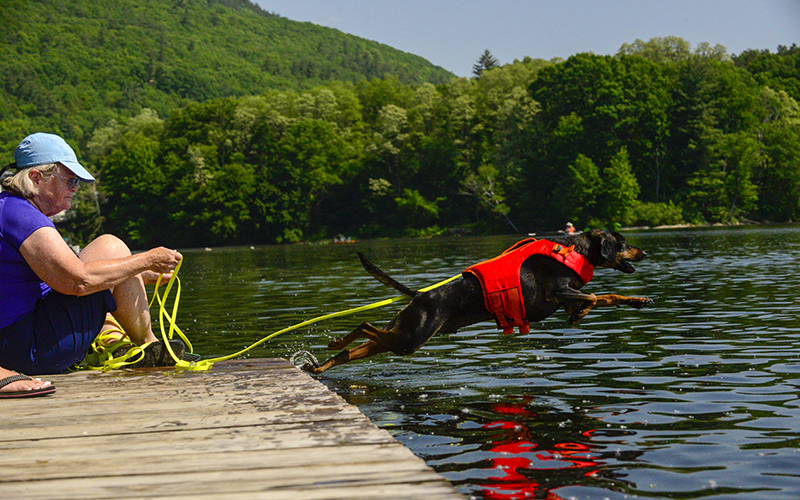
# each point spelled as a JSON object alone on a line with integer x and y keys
{"x": 577, "y": 316}
{"x": 311, "y": 368}
{"x": 640, "y": 302}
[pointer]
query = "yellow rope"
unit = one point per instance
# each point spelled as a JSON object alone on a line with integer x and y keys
{"x": 105, "y": 361}
{"x": 101, "y": 354}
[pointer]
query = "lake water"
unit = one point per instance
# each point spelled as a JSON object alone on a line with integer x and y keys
{"x": 695, "y": 396}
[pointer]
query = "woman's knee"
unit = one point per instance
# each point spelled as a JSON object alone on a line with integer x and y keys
{"x": 106, "y": 246}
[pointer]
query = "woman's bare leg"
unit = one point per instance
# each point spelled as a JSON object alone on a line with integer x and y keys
{"x": 132, "y": 311}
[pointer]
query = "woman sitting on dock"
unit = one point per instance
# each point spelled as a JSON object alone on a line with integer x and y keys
{"x": 53, "y": 303}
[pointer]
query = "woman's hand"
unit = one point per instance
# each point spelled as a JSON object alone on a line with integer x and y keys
{"x": 151, "y": 277}
{"x": 162, "y": 261}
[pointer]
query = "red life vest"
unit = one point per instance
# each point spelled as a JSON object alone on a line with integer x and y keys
{"x": 499, "y": 277}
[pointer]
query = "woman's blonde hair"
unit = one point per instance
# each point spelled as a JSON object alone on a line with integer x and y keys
{"x": 21, "y": 184}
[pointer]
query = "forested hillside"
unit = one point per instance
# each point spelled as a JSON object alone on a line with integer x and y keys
{"x": 189, "y": 155}
{"x": 73, "y": 65}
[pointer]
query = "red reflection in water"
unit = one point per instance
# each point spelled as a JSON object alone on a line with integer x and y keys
{"x": 518, "y": 453}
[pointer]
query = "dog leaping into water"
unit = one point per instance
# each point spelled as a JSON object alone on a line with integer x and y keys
{"x": 527, "y": 283}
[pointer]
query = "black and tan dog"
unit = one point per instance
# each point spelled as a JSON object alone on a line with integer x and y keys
{"x": 545, "y": 281}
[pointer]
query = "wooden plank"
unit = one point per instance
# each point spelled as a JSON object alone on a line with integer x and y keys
{"x": 259, "y": 482}
{"x": 433, "y": 490}
{"x": 138, "y": 416}
{"x": 252, "y": 438}
{"x": 63, "y": 465}
{"x": 246, "y": 429}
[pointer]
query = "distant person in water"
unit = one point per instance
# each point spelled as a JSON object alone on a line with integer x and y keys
{"x": 53, "y": 303}
{"x": 570, "y": 228}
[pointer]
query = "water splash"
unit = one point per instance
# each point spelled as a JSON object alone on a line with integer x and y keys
{"x": 301, "y": 358}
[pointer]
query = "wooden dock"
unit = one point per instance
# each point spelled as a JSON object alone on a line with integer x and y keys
{"x": 246, "y": 429}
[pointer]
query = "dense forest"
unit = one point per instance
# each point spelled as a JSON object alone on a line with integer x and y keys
{"x": 656, "y": 134}
{"x": 74, "y": 65}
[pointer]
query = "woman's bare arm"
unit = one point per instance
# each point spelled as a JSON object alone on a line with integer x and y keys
{"x": 57, "y": 265}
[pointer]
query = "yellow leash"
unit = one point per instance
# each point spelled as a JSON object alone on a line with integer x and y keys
{"x": 101, "y": 355}
{"x": 105, "y": 361}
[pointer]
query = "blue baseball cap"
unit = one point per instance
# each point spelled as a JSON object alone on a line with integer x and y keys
{"x": 41, "y": 148}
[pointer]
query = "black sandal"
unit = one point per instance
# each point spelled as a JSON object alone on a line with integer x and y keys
{"x": 42, "y": 391}
{"x": 156, "y": 354}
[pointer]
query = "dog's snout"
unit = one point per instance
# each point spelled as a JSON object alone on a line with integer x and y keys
{"x": 633, "y": 254}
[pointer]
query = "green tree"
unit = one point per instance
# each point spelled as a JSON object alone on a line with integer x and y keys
{"x": 581, "y": 196}
{"x": 673, "y": 49}
{"x": 390, "y": 139}
{"x": 377, "y": 93}
{"x": 660, "y": 50}
{"x": 136, "y": 185}
{"x": 596, "y": 105}
{"x": 417, "y": 211}
{"x": 483, "y": 186}
{"x": 725, "y": 188}
{"x": 619, "y": 190}
{"x": 778, "y": 71}
{"x": 216, "y": 204}
{"x": 485, "y": 62}
{"x": 778, "y": 180}
{"x": 309, "y": 160}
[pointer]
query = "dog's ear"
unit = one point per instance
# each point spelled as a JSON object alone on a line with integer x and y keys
{"x": 608, "y": 248}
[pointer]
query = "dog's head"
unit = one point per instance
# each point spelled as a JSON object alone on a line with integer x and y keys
{"x": 613, "y": 251}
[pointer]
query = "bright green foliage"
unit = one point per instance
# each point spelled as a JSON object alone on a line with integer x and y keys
{"x": 672, "y": 49}
{"x": 656, "y": 214}
{"x": 73, "y": 65}
{"x": 595, "y": 106}
{"x": 207, "y": 155}
{"x": 584, "y": 188}
{"x": 778, "y": 71}
{"x": 660, "y": 50}
{"x": 778, "y": 179}
{"x": 418, "y": 211}
{"x": 619, "y": 190}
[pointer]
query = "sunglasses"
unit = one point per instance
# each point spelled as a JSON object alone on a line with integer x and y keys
{"x": 72, "y": 182}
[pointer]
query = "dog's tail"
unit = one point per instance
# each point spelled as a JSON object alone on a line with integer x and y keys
{"x": 385, "y": 278}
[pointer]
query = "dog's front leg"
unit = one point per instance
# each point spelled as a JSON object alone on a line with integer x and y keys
{"x": 576, "y": 303}
{"x": 621, "y": 300}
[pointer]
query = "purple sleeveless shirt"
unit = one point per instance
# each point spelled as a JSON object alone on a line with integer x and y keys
{"x": 20, "y": 288}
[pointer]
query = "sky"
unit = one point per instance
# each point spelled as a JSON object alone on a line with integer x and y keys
{"x": 454, "y": 33}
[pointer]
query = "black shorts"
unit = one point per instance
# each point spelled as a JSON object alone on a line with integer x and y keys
{"x": 56, "y": 335}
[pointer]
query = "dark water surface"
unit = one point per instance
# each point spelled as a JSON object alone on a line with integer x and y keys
{"x": 693, "y": 397}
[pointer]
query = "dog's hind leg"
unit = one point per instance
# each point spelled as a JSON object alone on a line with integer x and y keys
{"x": 364, "y": 330}
{"x": 368, "y": 348}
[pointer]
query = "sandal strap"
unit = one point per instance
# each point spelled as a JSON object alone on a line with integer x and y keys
{"x": 13, "y": 378}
